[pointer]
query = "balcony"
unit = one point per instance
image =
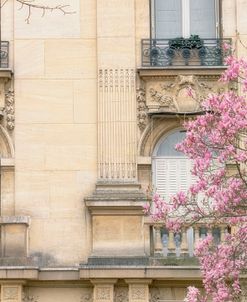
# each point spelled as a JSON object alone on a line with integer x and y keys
{"x": 164, "y": 53}
{"x": 4, "y": 57}
{"x": 169, "y": 248}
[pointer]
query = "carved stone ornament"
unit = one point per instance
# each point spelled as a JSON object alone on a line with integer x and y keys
{"x": 10, "y": 110}
{"x": 29, "y": 298}
{"x": 121, "y": 294}
{"x": 142, "y": 117}
{"x": 87, "y": 295}
{"x": 103, "y": 293}
{"x": 172, "y": 94}
{"x": 154, "y": 294}
{"x": 138, "y": 293}
{"x": 162, "y": 99}
{"x": 10, "y": 293}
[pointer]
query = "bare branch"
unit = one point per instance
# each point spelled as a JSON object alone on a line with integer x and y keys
{"x": 31, "y": 5}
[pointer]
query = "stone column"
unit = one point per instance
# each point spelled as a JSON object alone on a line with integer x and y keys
{"x": 103, "y": 290}
{"x": 11, "y": 292}
{"x": 138, "y": 290}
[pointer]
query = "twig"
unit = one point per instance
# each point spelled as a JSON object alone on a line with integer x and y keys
{"x": 44, "y": 8}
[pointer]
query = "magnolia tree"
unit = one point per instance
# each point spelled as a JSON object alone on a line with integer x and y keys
{"x": 216, "y": 142}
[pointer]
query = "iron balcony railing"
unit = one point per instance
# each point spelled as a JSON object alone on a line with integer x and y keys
{"x": 184, "y": 52}
{"x": 4, "y": 54}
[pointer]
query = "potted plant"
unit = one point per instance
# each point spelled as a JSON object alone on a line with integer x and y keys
{"x": 183, "y": 47}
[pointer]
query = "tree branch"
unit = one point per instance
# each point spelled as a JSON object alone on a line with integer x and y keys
{"x": 30, "y": 5}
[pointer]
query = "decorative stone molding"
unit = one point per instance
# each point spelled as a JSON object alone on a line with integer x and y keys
{"x": 11, "y": 293}
{"x": 138, "y": 293}
{"x": 138, "y": 290}
{"x": 87, "y": 295}
{"x": 172, "y": 96}
{"x": 167, "y": 89}
{"x": 29, "y": 298}
{"x": 142, "y": 117}
{"x": 162, "y": 99}
{"x": 103, "y": 293}
{"x": 121, "y": 294}
{"x": 103, "y": 290}
{"x": 10, "y": 110}
{"x": 154, "y": 294}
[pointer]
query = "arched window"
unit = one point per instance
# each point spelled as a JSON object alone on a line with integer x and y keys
{"x": 171, "y": 169}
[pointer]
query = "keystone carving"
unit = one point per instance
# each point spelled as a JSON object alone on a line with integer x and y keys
{"x": 142, "y": 117}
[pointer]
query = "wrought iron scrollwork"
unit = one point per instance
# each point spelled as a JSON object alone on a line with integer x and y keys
{"x": 162, "y": 53}
{"x": 4, "y": 54}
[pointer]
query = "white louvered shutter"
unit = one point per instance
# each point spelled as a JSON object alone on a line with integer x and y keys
{"x": 168, "y": 19}
{"x": 172, "y": 175}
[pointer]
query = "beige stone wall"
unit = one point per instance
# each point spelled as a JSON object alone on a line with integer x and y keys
{"x": 68, "y": 120}
{"x": 56, "y": 131}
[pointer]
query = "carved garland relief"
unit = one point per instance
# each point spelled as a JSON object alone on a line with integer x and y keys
{"x": 142, "y": 117}
{"x": 10, "y": 110}
{"x": 170, "y": 94}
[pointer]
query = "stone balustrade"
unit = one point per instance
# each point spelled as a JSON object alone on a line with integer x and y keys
{"x": 167, "y": 243}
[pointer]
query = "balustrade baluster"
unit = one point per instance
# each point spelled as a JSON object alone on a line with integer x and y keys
{"x": 184, "y": 242}
{"x": 158, "y": 246}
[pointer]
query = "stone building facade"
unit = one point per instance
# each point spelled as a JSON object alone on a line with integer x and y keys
{"x": 89, "y": 102}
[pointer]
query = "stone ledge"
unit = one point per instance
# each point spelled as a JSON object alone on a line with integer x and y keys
{"x": 15, "y": 220}
{"x": 23, "y": 273}
{"x": 158, "y": 273}
{"x": 175, "y": 70}
{"x": 6, "y": 73}
{"x": 136, "y": 261}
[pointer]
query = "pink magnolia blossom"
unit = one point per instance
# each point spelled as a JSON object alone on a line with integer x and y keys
{"x": 215, "y": 141}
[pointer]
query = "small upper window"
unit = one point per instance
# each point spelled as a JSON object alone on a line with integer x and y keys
{"x": 182, "y": 18}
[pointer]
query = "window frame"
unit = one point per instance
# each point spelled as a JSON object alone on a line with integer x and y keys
{"x": 186, "y": 19}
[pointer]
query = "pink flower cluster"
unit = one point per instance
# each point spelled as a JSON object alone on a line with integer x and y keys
{"x": 217, "y": 143}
